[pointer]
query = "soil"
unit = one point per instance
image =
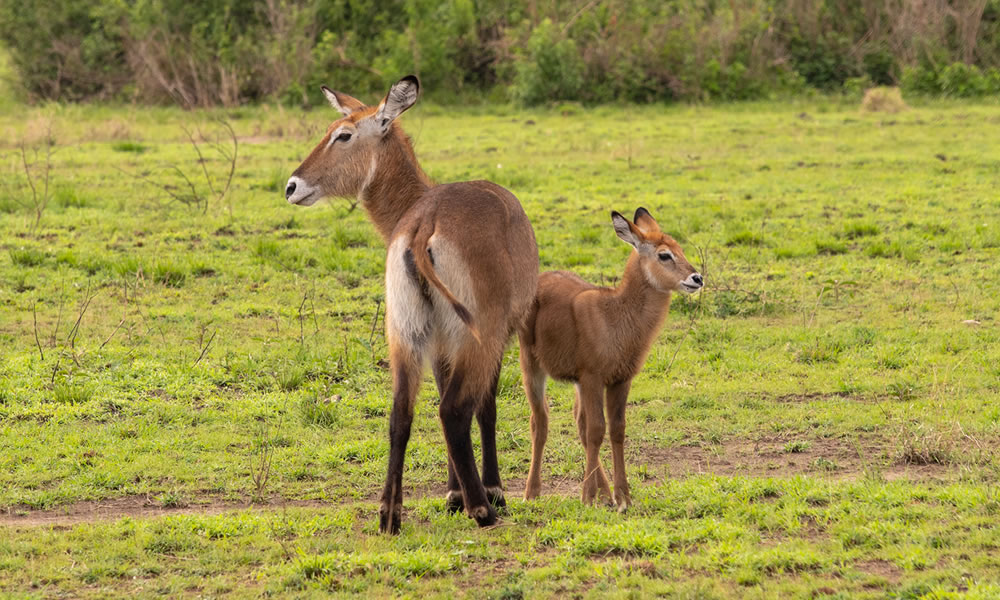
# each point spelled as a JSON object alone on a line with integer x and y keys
{"x": 842, "y": 459}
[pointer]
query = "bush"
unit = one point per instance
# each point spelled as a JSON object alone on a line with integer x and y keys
{"x": 956, "y": 80}
{"x": 883, "y": 99}
{"x": 228, "y": 51}
{"x": 551, "y": 68}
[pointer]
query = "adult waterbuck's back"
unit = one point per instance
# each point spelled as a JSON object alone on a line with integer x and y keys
{"x": 460, "y": 276}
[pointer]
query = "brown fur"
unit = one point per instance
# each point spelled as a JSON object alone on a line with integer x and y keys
{"x": 599, "y": 338}
{"x": 461, "y": 250}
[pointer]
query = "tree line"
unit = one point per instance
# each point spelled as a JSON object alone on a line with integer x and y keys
{"x": 228, "y": 52}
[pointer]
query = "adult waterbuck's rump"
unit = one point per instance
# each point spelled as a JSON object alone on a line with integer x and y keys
{"x": 460, "y": 276}
{"x": 598, "y": 338}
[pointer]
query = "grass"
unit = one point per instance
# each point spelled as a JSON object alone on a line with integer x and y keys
{"x": 819, "y": 421}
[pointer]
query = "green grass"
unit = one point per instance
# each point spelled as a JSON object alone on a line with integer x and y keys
{"x": 134, "y": 147}
{"x": 821, "y": 420}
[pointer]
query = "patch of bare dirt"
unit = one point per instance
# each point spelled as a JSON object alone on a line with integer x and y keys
{"x": 777, "y": 456}
{"x": 880, "y": 568}
{"x": 113, "y": 509}
{"x": 836, "y": 458}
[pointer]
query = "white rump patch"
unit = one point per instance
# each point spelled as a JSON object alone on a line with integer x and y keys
{"x": 408, "y": 316}
{"x": 450, "y": 332}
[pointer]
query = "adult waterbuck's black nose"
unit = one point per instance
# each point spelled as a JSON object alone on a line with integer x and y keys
{"x": 697, "y": 279}
{"x": 290, "y": 190}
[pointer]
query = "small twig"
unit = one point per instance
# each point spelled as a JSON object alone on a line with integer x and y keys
{"x": 371, "y": 336}
{"x": 232, "y": 162}
{"x": 678, "y": 349}
{"x": 201, "y": 159}
{"x": 55, "y": 369}
{"x": 195, "y": 197}
{"x": 120, "y": 323}
{"x": 573, "y": 19}
{"x": 205, "y": 349}
{"x": 165, "y": 188}
{"x": 103, "y": 344}
{"x": 312, "y": 304}
{"x": 34, "y": 320}
{"x": 79, "y": 319}
{"x": 302, "y": 338}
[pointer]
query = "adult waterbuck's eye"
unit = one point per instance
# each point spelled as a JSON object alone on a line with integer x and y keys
{"x": 665, "y": 256}
{"x": 344, "y": 136}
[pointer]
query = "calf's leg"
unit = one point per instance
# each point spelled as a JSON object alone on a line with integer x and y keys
{"x": 617, "y": 396}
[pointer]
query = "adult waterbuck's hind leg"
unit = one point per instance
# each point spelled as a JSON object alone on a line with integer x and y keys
{"x": 617, "y": 396}
{"x": 453, "y": 499}
{"x": 458, "y": 406}
{"x": 487, "y": 418}
{"x": 405, "y": 382}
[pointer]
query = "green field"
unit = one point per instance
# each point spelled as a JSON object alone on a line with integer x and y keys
{"x": 194, "y": 397}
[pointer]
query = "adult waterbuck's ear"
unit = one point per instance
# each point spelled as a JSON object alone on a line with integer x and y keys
{"x": 624, "y": 229}
{"x": 402, "y": 95}
{"x": 344, "y": 104}
{"x": 645, "y": 221}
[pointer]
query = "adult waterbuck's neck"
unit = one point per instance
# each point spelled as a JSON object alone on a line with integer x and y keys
{"x": 366, "y": 155}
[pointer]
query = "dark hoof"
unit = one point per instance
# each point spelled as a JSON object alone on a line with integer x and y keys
{"x": 387, "y": 524}
{"x": 484, "y": 515}
{"x": 495, "y": 496}
{"x": 453, "y": 502}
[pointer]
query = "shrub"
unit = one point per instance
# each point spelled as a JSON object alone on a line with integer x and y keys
{"x": 169, "y": 274}
{"x": 133, "y": 147}
{"x": 228, "y": 51}
{"x": 551, "y": 68}
{"x": 68, "y": 197}
{"x": 883, "y": 99}
{"x": 26, "y": 257}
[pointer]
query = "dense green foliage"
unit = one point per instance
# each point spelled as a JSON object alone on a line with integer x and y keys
{"x": 822, "y": 420}
{"x": 229, "y": 51}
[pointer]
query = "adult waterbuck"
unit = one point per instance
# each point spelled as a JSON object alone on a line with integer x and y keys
{"x": 598, "y": 338}
{"x": 460, "y": 276}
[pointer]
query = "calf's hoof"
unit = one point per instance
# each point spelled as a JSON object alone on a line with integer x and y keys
{"x": 390, "y": 520}
{"x": 453, "y": 501}
{"x": 532, "y": 491}
{"x": 495, "y": 496}
{"x": 623, "y": 500}
{"x": 484, "y": 515}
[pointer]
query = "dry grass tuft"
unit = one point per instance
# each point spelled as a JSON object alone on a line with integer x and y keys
{"x": 883, "y": 99}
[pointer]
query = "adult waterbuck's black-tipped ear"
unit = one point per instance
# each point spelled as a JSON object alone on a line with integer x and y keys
{"x": 645, "y": 221}
{"x": 344, "y": 103}
{"x": 624, "y": 229}
{"x": 402, "y": 95}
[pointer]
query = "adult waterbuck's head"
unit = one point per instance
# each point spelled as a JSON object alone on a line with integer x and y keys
{"x": 662, "y": 260}
{"x": 345, "y": 161}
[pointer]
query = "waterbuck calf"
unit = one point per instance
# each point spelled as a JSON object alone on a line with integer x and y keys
{"x": 598, "y": 338}
{"x": 460, "y": 276}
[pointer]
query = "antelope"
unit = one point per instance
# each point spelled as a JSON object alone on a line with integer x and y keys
{"x": 598, "y": 338}
{"x": 461, "y": 271}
